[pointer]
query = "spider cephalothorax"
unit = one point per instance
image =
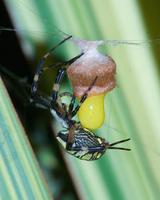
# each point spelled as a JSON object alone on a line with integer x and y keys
{"x": 76, "y": 140}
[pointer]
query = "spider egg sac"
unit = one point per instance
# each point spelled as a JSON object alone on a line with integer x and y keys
{"x": 91, "y": 113}
{"x": 82, "y": 73}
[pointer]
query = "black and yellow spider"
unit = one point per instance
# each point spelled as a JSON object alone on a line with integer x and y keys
{"x": 76, "y": 140}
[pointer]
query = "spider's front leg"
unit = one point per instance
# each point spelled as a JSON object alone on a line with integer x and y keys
{"x": 83, "y": 98}
{"x": 40, "y": 69}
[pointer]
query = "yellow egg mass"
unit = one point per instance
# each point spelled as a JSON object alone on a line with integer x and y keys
{"x": 91, "y": 113}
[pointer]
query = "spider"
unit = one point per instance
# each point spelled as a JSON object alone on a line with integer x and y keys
{"x": 76, "y": 140}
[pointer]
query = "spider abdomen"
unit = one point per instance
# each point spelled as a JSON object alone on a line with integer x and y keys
{"x": 86, "y": 145}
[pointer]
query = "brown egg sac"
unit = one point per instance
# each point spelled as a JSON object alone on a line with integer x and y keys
{"x": 83, "y": 71}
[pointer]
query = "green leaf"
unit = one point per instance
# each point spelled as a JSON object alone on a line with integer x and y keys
{"x": 20, "y": 176}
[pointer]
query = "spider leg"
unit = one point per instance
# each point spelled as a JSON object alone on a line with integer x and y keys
{"x": 66, "y": 63}
{"x": 72, "y": 102}
{"x": 70, "y": 138}
{"x": 40, "y": 69}
{"x": 71, "y": 105}
{"x": 90, "y": 149}
{"x": 59, "y": 77}
{"x": 42, "y": 101}
{"x": 56, "y": 85}
{"x": 83, "y": 98}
